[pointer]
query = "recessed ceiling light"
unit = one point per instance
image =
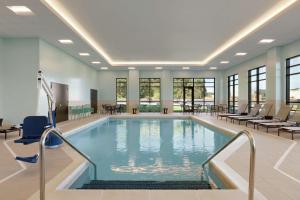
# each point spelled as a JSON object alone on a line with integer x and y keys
{"x": 185, "y": 68}
{"x": 84, "y": 54}
{"x": 224, "y": 62}
{"x": 131, "y": 67}
{"x": 266, "y": 41}
{"x": 158, "y": 67}
{"x": 241, "y": 54}
{"x": 104, "y": 68}
{"x": 96, "y": 62}
{"x": 213, "y": 68}
{"x": 20, "y": 10}
{"x": 66, "y": 41}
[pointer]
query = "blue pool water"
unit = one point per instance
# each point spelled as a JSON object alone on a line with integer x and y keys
{"x": 149, "y": 149}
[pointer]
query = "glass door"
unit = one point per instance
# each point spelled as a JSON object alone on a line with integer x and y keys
{"x": 188, "y": 99}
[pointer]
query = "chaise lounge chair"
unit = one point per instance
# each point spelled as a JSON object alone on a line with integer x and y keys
{"x": 265, "y": 110}
{"x": 281, "y": 116}
{"x": 293, "y": 121}
{"x": 253, "y": 113}
{"x": 33, "y": 128}
{"x": 290, "y": 129}
{"x": 242, "y": 109}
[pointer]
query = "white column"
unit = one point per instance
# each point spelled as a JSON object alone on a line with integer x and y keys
{"x": 133, "y": 89}
{"x": 167, "y": 90}
{"x": 274, "y": 78}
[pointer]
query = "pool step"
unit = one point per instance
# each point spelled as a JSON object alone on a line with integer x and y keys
{"x": 147, "y": 185}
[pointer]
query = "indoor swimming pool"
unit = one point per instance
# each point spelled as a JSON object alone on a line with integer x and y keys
{"x": 148, "y": 149}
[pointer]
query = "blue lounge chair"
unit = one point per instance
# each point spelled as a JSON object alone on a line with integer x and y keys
{"x": 33, "y": 128}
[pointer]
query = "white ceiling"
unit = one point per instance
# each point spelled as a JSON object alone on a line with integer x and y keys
{"x": 156, "y": 30}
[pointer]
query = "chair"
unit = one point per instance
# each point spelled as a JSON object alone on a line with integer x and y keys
{"x": 281, "y": 116}
{"x": 293, "y": 121}
{"x": 253, "y": 113}
{"x": 242, "y": 109}
{"x": 290, "y": 129}
{"x": 263, "y": 113}
{"x": 33, "y": 128}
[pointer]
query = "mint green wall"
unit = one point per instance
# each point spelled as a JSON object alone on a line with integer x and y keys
{"x": 20, "y": 65}
{"x": 60, "y": 67}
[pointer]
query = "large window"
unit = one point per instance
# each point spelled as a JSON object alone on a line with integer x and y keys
{"x": 233, "y": 93}
{"x": 149, "y": 91}
{"x": 293, "y": 82}
{"x": 257, "y": 86}
{"x": 203, "y": 90}
{"x": 121, "y": 91}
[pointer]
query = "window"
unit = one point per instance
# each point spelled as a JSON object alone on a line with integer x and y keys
{"x": 257, "y": 86}
{"x": 233, "y": 93}
{"x": 121, "y": 91}
{"x": 293, "y": 82}
{"x": 203, "y": 89}
{"x": 149, "y": 91}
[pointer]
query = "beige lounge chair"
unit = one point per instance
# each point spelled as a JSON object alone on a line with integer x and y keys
{"x": 290, "y": 129}
{"x": 253, "y": 113}
{"x": 281, "y": 116}
{"x": 293, "y": 121}
{"x": 264, "y": 111}
{"x": 242, "y": 109}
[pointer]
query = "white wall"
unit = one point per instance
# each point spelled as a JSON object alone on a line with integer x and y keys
{"x": 60, "y": 67}
{"x": 20, "y": 64}
{"x": 275, "y": 61}
{"x": 242, "y": 71}
{"x": 1, "y": 78}
{"x": 107, "y": 85}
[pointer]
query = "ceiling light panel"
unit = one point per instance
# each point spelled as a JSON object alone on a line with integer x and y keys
{"x": 96, "y": 62}
{"x": 185, "y": 68}
{"x": 241, "y": 54}
{"x": 104, "y": 68}
{"x": 66, "y": 41}
{"x": 20, "y": 10}
{"x": 84, "y": 54}
{"x": 131, "y": 67}
{"x": 224, "y": 62}
{"x": 266, "y": 41}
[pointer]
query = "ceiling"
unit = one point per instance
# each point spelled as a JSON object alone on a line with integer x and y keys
{"x": 169, "y": 33}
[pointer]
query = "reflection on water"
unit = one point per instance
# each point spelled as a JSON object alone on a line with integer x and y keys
{"x": 149, "y": 149}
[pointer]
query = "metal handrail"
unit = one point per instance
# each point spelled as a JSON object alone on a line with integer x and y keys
{"x": 252, "y": 159}
{"x": 58, "y": 133}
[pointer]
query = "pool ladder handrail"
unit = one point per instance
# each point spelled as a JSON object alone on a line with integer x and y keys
{"x": 58, "y": 133}
{"x": 252, "y": 159}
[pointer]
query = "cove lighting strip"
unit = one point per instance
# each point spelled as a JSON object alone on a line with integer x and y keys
{"x": 57, "y": 7}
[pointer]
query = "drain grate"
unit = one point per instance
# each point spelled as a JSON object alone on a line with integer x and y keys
{"x": 149, "y": 185}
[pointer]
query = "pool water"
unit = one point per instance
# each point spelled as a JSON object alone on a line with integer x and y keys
{"x": 149, "y": 149}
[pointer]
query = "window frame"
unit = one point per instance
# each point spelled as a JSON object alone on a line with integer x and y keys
{"x": 288, "y": 83}
{"x": 185, "y": 80}
{"x": 117, "y": 101}
{"x": 257, "y": 81}
{"x": 150, "y": 101}
{"x": 235, "y": 78}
